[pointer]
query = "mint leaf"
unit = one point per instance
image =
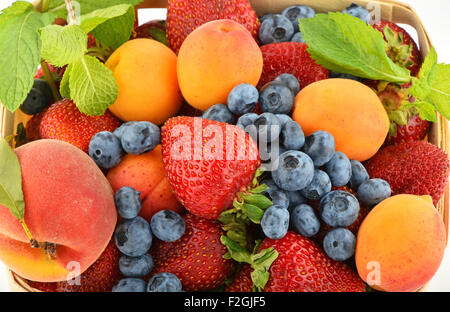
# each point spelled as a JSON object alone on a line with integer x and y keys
{"x": 20, "y": 49}
{"x": 64, "y": 87}
{"x": 90, "y": 21}
{"x": 87, "y": 6}
{"x": 159, "y": 35}
{"x": 63, "y": 45}
{"x": 346, "y": 44}
{"x": 17, "y": 8}
{"x": 421, "y": 86}
{"x": 11, "y": 194}
{"x": 115, "y": 31}
{"x": 440, "y": 90}
{"x": 93, "y": 87}
{"x": 427, "y": 111}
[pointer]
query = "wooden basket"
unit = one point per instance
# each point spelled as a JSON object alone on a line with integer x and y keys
{"x": 390, "y": 10}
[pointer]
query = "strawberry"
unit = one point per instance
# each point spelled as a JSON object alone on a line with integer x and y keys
{"x": 99, "y": 277}
{"x": 416, "y": 129}
{"x": 197, "y": 258}
{"x": 183, "y": 16}
{"x": 291, "y": 58}
{"x": 207, "y": 163}
{"x": 63, "y": 121}
{"x": 414, "y": 167}
{"x": 301, "y": 266}
{"x": 400, "y": 46}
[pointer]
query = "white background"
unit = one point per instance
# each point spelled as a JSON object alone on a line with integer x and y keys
{"x": 435, "y": 16}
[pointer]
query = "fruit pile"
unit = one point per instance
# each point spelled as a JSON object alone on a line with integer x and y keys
{"x": 219, "y": 150}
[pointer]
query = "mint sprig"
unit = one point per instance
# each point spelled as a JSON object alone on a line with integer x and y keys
{"x": 345, "y": 44}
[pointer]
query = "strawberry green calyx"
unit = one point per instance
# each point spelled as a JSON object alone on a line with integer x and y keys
{"x": 260, "y": 262}
{"x": 397, "y": 51}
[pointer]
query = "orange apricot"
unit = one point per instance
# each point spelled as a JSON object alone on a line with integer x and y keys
{"x": 347, "y": 109}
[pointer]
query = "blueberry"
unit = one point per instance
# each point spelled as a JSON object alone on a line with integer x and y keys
{"x": 264, "y": 17}
{"x": 289, "y": 80}
{"x": 276, "y": 28}
{"x": 319, "y": 186}
{"x": 167, "y": 225}
{"x": 373, "y": 191}
{"x": 105, "y": 149}
{"x": 298, "y": 37}
{"x": 278, "y": 197}
{"x": 359, "y": 175}
{"x": 119, "y": 131}
{"x": 219, "y": 112}
{"x": 275, "y": 222}
{"x": 128, "y": 202}
{"x": 130, "y": 285}
{"x": 305, "y": 221}
{"x": 164, "y": 282}
{"x": 39, "y": 97}
{"x": 133, "y": 237}
{"x": 284, "y": 118}
{"x": 276, "y": 97}
{"x": 339, "y": 244}
{"x": 292, "y": 136}
{"x": 359, "y": 12}
{"x": 293, "y": 13}
{"x": 295, "y": 171}
{"x": 339, "y": 208}
{"x": 344, "y": 76}
{"x": 136, "y": 266}
{"x": 242, "y": 99}
{"x": 268, "y": 127}
{"x": 246, "y": 120}
{"x": 320, "y": 146}
{"x": 295, "y": 199}
{"x": 140, "y": 137}
{"x": 339, "y": 169}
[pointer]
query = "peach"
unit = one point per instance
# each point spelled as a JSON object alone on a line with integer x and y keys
{"x": 145, "y": 173}
{"x": 347, "y": 109}
{"x": 400, "y": 244}
{"x": 213, "y": 59}
{"x": 69, "y": 204}
{"x": 146, "y": 73}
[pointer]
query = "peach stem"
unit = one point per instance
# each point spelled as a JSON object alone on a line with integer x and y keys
{"x": 34, "y": 243}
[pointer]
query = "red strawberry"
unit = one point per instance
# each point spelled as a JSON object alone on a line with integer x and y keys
{"x": 183, "y": 16}
{"x": 63, "y": 121}
{"x": 301, "y": 266}
{"x": 414, "y": 167}
{"x": 32, "y": 127}
{"x": 400, "y": 46}
{"x": 99, "y": 277}
{"x": 206, "y": 171}
{"x": 416, "y": 129}
{"x": 291, "y": 58}
{"x": 197, "y": 257}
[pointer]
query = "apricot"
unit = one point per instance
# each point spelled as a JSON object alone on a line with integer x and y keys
{"x": 145, "y": 173}
{"x": 347, "y": 109}
{"x": 69, "y": 204}
{"x": 213, "y": 59}
{"x": 146, "y": 73}
{"x": 400, "y": 244}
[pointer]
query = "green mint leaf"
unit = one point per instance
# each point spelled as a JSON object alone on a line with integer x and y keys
{"x": 17, "y": 8}
{"x": 87, "y": 6}
{"x": 63, "y": 45}
{"x": 11, "y": 194}
{"x": 91, "y": 20}
{"x": 346, "y": 44}
{"x": 427, "y": 111}
{"x": 20, "y": 50}
{"x": 421, "y": 86}
{"x": 64, "y": 87}
{"x": 159, "y": 35}
{"x": 115, "y": 31}
{"x": 93, "y": 87}
{"x": 440, "y": 91}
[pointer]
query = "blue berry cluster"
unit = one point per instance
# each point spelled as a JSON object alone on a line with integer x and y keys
{"x": 134, "y": 236}
{"x": 134, "y": 137}
{"x": 284, "y": 27}
{"x": 307, "y": 171}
